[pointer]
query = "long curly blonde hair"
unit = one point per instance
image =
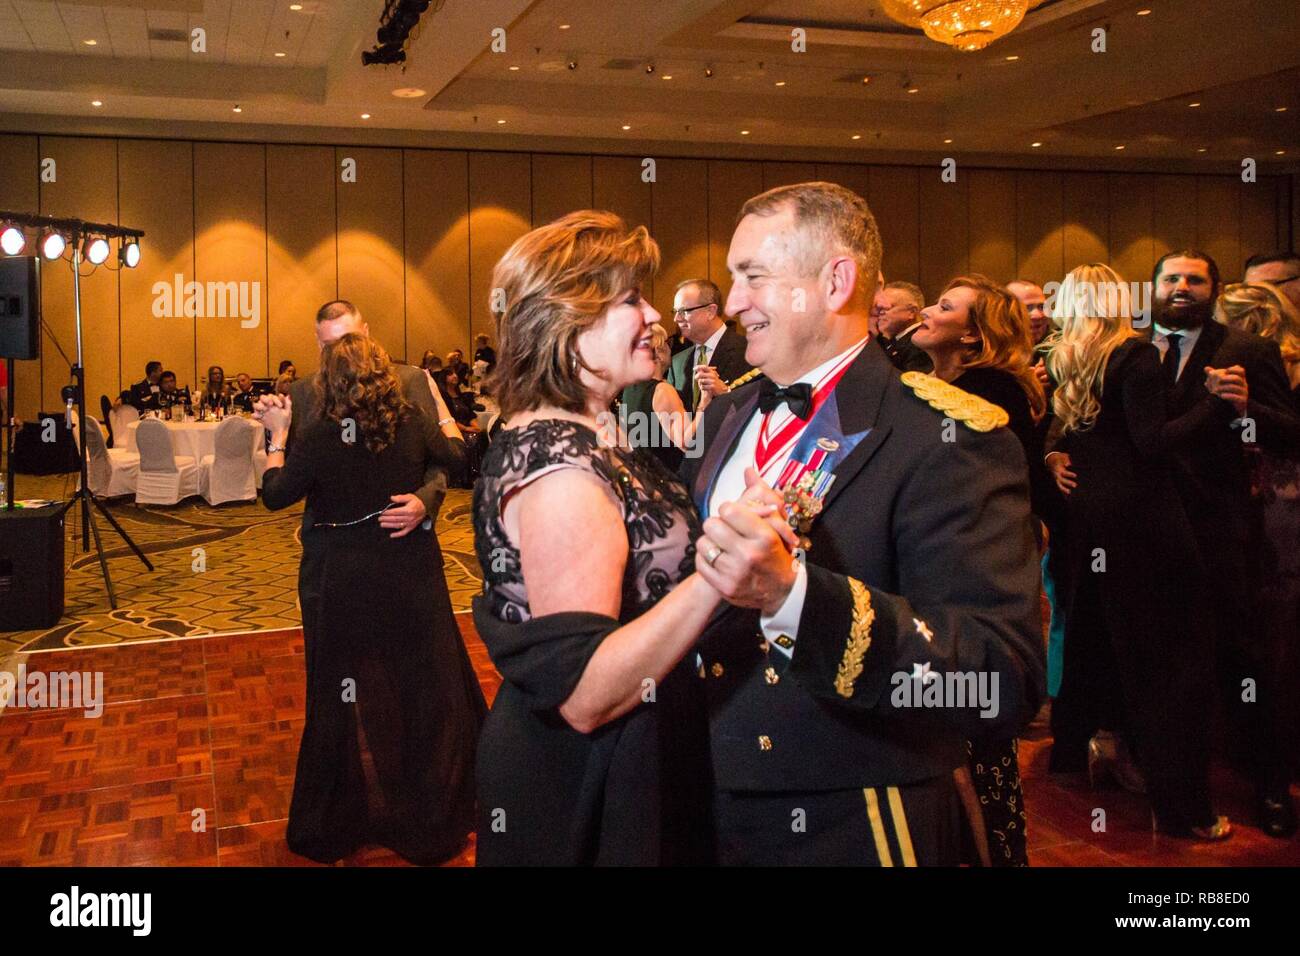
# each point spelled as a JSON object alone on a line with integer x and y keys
{"x": 1093, "y": 313}
{"x": 1261, "y": 309}
{"x": 357, "y": 381}
{"x": 1002, "y": 325}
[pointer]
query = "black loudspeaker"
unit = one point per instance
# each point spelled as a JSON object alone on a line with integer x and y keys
{"x": 34, "y": 454}
{"x": 20, "y": 308}
{"x": 31, "y": 567}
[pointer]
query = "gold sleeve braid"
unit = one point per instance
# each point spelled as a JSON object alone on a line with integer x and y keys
{"x": 971, "y": 410}
{"x": 864, "y": 615}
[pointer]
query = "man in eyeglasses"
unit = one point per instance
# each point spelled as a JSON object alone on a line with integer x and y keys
{"x": 717, "y": 353}
{"x": 1280, "y": 268}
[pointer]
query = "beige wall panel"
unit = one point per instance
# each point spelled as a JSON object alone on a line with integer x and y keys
{"x": 561, "y": 184}
{"x": 437, "y": 253}
{"x": 1040, "y": 240}
{"x": 894, "y": 200}
{"x": 730, "y": 184}
{"x": 1087, "y": 219}
{"x": 1218, "y": 222}
{"x": 20, "y": 192}
{"x": 371, "y": 270}
{"x": 680, "y": 198}
{"x": 1132, "y": 246}
{"x": 617, "y": 186}
{"x": 156, "y": 190}
{"x": 786, "y": 174}
{"x": 301, "y": 255}
{"x": 1173, "y": 217}
{"x": 1261, "y": 214}
{"x": 944, "y": 230}
{"x": 86, "y": 188}
{"x": 992, "y": 218}
{"x": 230, "y": 246}
{"x": 500, "y": 204}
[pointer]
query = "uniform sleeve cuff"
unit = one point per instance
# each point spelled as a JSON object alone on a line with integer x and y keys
{"x": 782, "y": 628}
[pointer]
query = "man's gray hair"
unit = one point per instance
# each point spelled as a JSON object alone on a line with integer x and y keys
{"x": 837, "y": 219}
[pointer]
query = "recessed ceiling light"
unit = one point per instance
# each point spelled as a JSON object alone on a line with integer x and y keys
{"x": 1193, "y": 105}
{"x": 365, "y": 116}
{"x": 626, "y": 127}
{"x": 856, "y": 136}
{"x": 408, "y": 92}
{"x": 866, "y": 79}
{"x": 1144, "y": 13}
{"x": 668, "y": 76}
{"x": 780, "y": 82}
{"x": 237, "y": 109}
{"x": 295, "y": 7}
{"x": 1012, "y": 59}
{"x": 564, "y": 26}
{"x": 1121, "y": 147}
{"x": 91, "y": 42}
{"x": 1281, "y": 152}
{"x": 1202, "y": 150}
{"x": 947, "y": 141}
{"x": 1280, "y": 109}
{"x": 1035, "y": 145}
{"x": 501, "y": 122}
{"x": 515, "y": 69}
{"x": 96, "y": 102}
{"x": 278, "y": 53}
{"x": 744, "y": 132}
{"x": 914, "y": 89}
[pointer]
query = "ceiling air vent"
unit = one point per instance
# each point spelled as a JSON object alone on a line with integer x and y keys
{"x": 168, "y": 36}
{"x": 623, "y": 65}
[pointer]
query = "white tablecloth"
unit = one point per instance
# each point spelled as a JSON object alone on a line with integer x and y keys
{"x": 191, "y": 439}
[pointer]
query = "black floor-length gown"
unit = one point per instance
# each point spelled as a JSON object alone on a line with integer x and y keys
{"x": 1138, "y": 655}
{"x": 393, "y": 705}
{"x": 636, "y": 790}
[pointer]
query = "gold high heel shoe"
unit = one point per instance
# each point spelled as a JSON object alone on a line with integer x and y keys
{"x": 1108, "y": 755}
{"x": 1216, "y": 832}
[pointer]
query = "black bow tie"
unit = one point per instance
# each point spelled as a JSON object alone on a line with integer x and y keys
{"x": 798, "y": 396}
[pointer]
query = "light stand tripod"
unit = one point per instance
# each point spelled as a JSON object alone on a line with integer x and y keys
{"x": 88, "y": 526}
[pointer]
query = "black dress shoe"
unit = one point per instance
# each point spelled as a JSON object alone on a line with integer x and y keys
{"x": 1276, "y": 815}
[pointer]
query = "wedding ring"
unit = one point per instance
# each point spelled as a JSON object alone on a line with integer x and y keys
{"x": 713, "y": 556}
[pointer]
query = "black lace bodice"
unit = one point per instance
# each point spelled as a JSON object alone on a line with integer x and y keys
{"x": 660, "y": 518}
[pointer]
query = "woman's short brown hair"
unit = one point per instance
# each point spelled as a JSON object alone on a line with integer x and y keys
{"x": 552, "y": 285}
{"x": 357, "y": 381}
{"x": 1003, "y": 327}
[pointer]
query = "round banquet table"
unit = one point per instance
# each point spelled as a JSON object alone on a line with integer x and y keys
{"x": 190, "y": 439}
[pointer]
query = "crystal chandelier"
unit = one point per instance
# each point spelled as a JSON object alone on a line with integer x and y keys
{"x": 963, "y": 24}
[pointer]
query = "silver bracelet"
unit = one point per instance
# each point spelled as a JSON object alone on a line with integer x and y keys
{"x": 271, "y": 449}
{"x": 446, "y": 421}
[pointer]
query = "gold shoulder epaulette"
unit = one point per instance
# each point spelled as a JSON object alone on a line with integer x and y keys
{"x": 748, "y": 377}
{"x": 974, "y": 412}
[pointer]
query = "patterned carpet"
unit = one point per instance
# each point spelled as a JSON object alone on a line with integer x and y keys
{"x": 217, "y": 569}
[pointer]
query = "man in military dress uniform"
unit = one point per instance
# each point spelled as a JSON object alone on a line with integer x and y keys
{"x": 842, "y": 687}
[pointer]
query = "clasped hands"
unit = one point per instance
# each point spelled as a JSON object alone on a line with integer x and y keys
{"x": 746, "y": 551}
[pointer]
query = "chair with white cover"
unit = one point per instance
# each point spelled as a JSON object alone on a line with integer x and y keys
{"x": 110, "y": 471}
{"x": 118, "y": 420}
{"x": 165, "y": 477}
{"x": 229, "y": 474}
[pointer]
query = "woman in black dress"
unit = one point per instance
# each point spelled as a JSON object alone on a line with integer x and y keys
{"x": 652, "y": 415}
{"x": 977, "y": 335}
{"x": 393, "y": 705}
{"x": 1137, "y": 653}
{"x": 461, "y": 406}
{"x": 596, "y": 749}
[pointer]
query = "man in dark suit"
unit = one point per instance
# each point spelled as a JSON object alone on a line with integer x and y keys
{"x": 144, "y": 395}
{"x": 842, "y": 685}
{"x": 717, "y": 351}
{"x": 1227, "y": 390}
{"x": 897, "y": 309}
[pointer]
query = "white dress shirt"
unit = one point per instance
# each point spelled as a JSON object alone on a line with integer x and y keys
{"x": 1189, "y": 337}
{"x": 731, "y": 485}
